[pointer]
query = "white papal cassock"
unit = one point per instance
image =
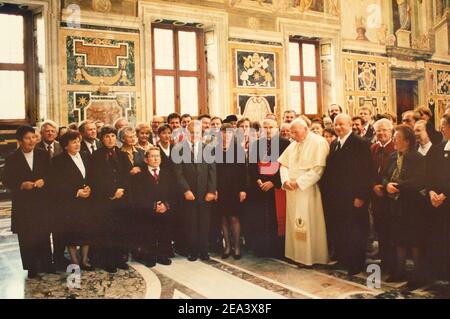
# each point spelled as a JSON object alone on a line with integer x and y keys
{"x": 306, "y": 236}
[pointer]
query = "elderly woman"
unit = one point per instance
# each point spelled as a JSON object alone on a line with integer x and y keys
{"x": 127, "y": 135}
{"x": 381, "y": 153}
{"x": 403, "y": 180}
{"x": 72, "y": 195}
{"x": 144, "y": 136}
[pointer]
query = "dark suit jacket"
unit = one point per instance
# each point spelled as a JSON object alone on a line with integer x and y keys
{"x": 435, "y": 136}
{"x": 146, "y": 192}
{"x": 66, "y": 180}
{"x": 348, "y": 174}
{"x": 380, "y": 159}
{"x": 438, "y": 173}
{"x": 107, "y": 175}
{"x": 254, "y": 170}
{"x": 370, "y": 133}
{"x": 84, "y": 149}
{"x": 166, "y": 161}
{"x": 58, "y": 148}
{"x": 29, "y": 207}
{"x": 412, "y": 181}
{"x": 200, "y": 178}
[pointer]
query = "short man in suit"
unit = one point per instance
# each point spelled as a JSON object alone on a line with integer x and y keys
{"x": 90, "y": 143}
{"x": 49, "y": 132}
{"x": 26, "y": 175}
{"x": 197, "y": 181}
{"x": 346, "y": 185}
{"x": 152, "y": 196}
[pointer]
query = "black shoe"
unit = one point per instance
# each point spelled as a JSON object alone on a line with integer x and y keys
{"x": 415, "y": 284}
{"x": 353, "y": 272}
{"x": 204, "y": 256}
{"x": 396, "y": 278}
{"x": 32, "y": 274}
{"x": 163, "y": 261}
{"x": 225, "y": 255}
{"x": 87, "y": 267}
{"x": 192, "y": 257}
{"x": 237, "y": 256}
{"x": 111, "y": 269}
{"x": 123, "y": 266}
{"x": 150, "y": 263}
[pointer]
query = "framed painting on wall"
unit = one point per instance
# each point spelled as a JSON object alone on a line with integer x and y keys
{"x": 255, "y": 69}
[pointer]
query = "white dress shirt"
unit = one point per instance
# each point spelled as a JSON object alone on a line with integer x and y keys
{"x": 29, "y": 158}
{"x": 91, "y": 146}
{"x": 165, "y": 150}
{"x": 423, "y": 149}
{"x": 447, "y": 146}
{"x": 79, "y": 163}
{"x": 151, "y": 170}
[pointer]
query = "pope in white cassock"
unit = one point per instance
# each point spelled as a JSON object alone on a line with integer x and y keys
{"x": 302, "y": 166}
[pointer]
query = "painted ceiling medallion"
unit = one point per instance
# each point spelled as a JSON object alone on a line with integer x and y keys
{"x": 101, "y": 5}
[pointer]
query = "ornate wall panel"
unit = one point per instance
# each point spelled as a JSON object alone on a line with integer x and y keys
{"x": 437, "y": 84}
{"x": 366, "y": 83}
{"x": 100, "y": 75}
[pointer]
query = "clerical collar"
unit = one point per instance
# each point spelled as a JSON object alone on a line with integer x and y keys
{"x": 344, "y": 139}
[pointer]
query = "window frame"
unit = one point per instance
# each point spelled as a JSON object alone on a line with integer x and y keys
{"x": 28, "y": 67}
{"x": 176, "y": 73}
{"x": 302, "y": 78}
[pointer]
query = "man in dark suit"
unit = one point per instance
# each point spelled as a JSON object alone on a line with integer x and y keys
{"x": 261, "y": 233}
{"x": 346, "y": 186}
{"x": 90, "y": 143}
{"x": 26, "y": 175}
{"x": 153, "y": 198}
{"x": 110, "y": 169}
{"x": 381, "y": 153}
{"x": 49, "y": 132}
{"x": 197, "y": 181}
{"x": 438, "y": 185}
{"x": 367, "y": 130}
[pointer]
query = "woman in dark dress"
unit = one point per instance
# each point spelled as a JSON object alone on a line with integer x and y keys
{"x": 72, "y": 193}
{"x": 403, "y": 181}
{"x": 231, "y": 189}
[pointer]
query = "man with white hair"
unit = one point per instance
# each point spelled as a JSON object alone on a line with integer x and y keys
{"x": 381, "y": 153}
{"x": 302, "y": 166}
{"x": 346, "y": 188}
{"x": 49, "y": 132}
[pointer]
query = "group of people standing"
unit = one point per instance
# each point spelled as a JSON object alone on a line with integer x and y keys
{"x": 304, "y": 190}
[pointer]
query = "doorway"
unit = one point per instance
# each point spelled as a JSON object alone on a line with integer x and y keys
{"x": 407, "y": 97}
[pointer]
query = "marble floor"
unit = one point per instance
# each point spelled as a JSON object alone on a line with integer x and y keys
{"x": 249, "y": 277}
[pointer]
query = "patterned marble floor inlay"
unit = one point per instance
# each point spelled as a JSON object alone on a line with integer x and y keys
{"x": 249, "y": 277}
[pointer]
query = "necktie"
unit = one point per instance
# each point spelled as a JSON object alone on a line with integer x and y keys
{"x": 363, "y": 131}
{"x": 155, "y": 175}
{"x": 93, "y": 148}
{"x": 338, "y": 146}
{"x": 50, "y": 151}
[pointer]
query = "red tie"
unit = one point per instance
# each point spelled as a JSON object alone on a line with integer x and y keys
{"x": 155, "y": 175}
